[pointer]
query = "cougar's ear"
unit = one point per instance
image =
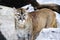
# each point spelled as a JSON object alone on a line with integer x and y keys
{"x": 15, "y": 11}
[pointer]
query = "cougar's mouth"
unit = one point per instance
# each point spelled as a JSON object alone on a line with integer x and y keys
{"x": 21, "y": 26}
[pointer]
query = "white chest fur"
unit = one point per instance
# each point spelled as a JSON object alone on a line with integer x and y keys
{"x": 22, "y": 32}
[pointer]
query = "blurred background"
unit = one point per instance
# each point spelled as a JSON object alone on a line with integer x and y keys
{"x": 7, "y": 31}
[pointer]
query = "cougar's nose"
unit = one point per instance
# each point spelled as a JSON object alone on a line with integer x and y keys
{"x": 21, "y": 18}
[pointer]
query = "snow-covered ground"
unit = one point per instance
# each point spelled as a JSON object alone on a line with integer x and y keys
{"x": 7, "y": 25}
{"x": 49, "y": 34}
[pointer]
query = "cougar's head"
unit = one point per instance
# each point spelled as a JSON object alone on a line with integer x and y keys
{"x": 21, "y": 15}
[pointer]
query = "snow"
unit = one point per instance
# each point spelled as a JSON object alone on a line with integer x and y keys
{"x": 7, "y": 25}
{"x": 58, "y": 19}
{"x": 30, "y": 8}
{"x": 49, "y": 34}
{"x": 48, "y": 1}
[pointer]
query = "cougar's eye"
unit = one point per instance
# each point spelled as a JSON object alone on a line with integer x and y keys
{"x": 24, "y": 15}
{"x": 18, "y": 15}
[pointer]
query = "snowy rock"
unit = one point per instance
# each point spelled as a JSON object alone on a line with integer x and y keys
{"x": 48, "y": 1}
{"x": 30, "y": 8}
{"x": 7, "y": 23}
{"x": 49, "y": 34}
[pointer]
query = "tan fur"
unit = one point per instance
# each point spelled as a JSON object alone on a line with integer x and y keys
{"x": 37, "y": 20}
{"x": 43, "y": 18}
